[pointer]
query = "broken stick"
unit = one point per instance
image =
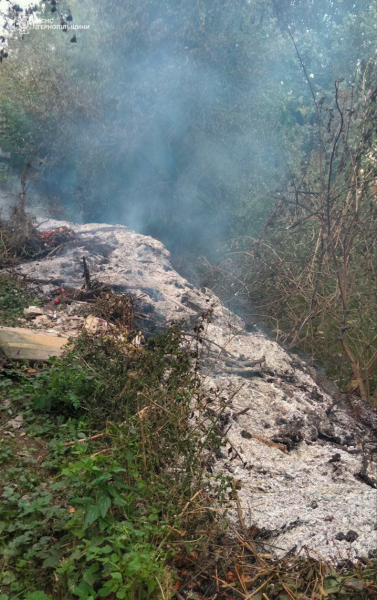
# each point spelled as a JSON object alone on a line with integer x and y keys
{"x": 88, "y": 283}
{"x": 92, "y": 437}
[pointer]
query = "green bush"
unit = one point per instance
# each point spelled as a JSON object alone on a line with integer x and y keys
{"x": 94, "y": 519}
{"x": 13, "y": 299}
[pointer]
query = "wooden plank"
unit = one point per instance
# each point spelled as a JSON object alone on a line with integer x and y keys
{"x": 18, "y": 343}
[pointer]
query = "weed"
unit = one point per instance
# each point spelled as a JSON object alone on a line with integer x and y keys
{"x": 13, "y": 299}
{"x": 93, "y": 524}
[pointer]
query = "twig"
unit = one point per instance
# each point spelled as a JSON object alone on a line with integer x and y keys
{"x": 189, "y": 502}
{"x": 240, "y": 515}
{"x": 92, "y": 437}
{"x": 245, "y": 364}
{"x": 241, "y": 412}
{"x": 100, "y": 452}
{"x": 162, "y": 591}
{"x": 226, "y": 440}
{"x": 232, "y": 588}
{"x": 143, "y": 412}
{"x": 235, "y": 392}
{"x": 250, "y": 596}
{"x": 240, "y": 578}
{"x": 142, "y": 437}
{"x": 287, "y": 590}
{"x": 181, "y": 533}
{"x": 210, "y": 342}
{"x": 270, "y": 443}
{"x": 88, "y": 283}
{"x": 56, "y": 249}
{"x": 177, "y": 594}
{"x": 317, "y": 107}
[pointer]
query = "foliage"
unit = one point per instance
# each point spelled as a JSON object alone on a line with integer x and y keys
{"x": 313, "y": 272}
{"x": 109, "y": 493}
{"x": 195, "y": 132}
{"x": 203, "y": 112}
{"x": 194, "y": 124}
{"x": 84, "y": 524}
{"x": 92, "y": 536}
{"x": 13, "y": 299}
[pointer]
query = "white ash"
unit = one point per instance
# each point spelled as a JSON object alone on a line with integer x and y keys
{"x": 296, "y": 449}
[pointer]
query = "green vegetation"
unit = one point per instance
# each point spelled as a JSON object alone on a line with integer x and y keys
{"x": 107, "y": 492}
{"x": 209, "y": 125}
{"x": 311, "y": 274}
{"x": 194, "y": 126}
{"x": 211, "y": 133}
{"x": 13, "y": 299}
{"x": 99, "y": 516}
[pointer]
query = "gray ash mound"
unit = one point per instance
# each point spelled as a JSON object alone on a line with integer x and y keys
{"x": 303, "y": 456}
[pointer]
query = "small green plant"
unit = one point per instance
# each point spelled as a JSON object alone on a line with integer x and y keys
{"x": 63, "y": 388}
{"x": 5, "y": 453}
{"x": 13, "y": 299}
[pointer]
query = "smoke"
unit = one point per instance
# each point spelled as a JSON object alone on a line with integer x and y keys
{"x": 183, "y": 120}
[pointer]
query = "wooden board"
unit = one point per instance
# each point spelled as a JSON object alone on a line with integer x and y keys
{"x": 25, "y": 344}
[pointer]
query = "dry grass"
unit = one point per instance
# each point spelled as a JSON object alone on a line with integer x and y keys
{"x": 233, "y": 569}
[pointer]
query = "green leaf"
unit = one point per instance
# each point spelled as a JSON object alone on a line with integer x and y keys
{"x": 90, "y": 574}
{"x": 103, "y": 524}
{"x": 92, "y": 515}
{"x": 129, "y": 456}
{"x": 104, "y": 592}
{"x": 106, "y": 550}
{"x": 53, "y": 560}
{"x": 37, "y": 596}
{"x": 83, "y": 591}
{"x": 357, "y": 585}
{"x": 115, "y": 494}
{"x": 151, "y": 585}
{"x": 84, "y": 500}
{"x": 330, "y": 586}
{"x": 8, "y": 577}
{"x": 104, "y": 503}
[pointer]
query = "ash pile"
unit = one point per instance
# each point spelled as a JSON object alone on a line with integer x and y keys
{"x": 301, "y": 456}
